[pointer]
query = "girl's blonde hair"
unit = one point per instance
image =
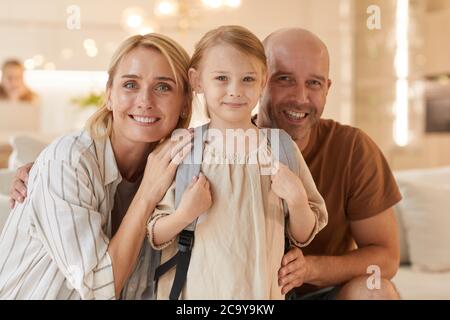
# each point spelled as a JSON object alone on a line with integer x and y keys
{"x": 238, "y": 37}
{"x": 100, "y": 123}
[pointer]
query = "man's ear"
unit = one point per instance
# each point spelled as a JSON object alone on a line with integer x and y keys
{"x": 329, "y": 83}
{"x": 264, "y": 81}
{"x": 194, "y": 80}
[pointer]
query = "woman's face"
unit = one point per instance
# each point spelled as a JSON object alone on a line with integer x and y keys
{"x": 144, "y": 98}
{"x": 12, "y": 80}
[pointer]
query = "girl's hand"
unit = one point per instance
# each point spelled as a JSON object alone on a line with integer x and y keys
{"x": 288, "y": 186}
{"x": 162, "y": 165}
{"x": 196, "y": 199}
{"x": 18, "y": 191}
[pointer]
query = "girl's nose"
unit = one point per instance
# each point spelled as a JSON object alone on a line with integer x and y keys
{"x": 235, "y": 91}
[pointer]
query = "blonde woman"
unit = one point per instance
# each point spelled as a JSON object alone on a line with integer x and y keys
{"x": 80, "y": 232}
{"x": 12, "y": 86}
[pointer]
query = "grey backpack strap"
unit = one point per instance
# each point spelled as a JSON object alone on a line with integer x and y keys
{"x": 189, "y": 168}
{"x": 284, "y": 152}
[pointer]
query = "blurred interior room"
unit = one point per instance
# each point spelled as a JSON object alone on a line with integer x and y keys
{"x": 390, "y": 67}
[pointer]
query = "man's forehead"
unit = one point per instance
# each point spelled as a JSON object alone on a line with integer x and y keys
{"x": 286, "y": 60}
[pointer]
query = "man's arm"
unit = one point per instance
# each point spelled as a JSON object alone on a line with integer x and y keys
{"x": 377, "y": 242}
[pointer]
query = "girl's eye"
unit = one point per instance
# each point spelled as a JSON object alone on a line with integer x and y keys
{"x": 221, "y": 78}
{"x": 249, "y": 79}
{"x": 130, "y": 85}
{"x": 163, "y": 87}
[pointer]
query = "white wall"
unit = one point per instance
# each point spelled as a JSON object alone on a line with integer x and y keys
{"x": 30, "y": 27}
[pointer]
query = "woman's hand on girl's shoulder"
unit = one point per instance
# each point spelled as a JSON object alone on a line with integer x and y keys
{"x": 162, "y": 164}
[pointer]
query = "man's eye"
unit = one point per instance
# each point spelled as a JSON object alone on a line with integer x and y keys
{"x": 315, "y": 84}
{"x": 130, "y": 85}
{"x": 221, "y": 78}
{"x": 249, "y": 79}
{"x": 163, "y": 87}
{"x": 284, "y": 78}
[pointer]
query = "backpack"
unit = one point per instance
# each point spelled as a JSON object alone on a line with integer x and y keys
{"x": 191, "y": 167}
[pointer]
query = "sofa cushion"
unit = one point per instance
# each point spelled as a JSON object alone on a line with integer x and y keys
{"x": 25, "y": 149}
{"x": 425, "y": 217}
{"x": 418, "y": 285}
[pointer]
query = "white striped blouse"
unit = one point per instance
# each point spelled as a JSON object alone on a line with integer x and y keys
{"x": 55, "y": 244}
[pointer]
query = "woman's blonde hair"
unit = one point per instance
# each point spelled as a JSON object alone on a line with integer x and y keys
{"x": 100, "y": 123}
{"x": 238, "y": 37}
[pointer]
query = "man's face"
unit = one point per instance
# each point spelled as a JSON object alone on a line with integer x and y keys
{"x": 296, "y": 92}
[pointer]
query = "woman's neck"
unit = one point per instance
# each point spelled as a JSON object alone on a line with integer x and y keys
{"x": 131, "y": 157}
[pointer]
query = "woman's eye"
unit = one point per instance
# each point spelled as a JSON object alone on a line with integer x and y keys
{"x": 130, "y": 85}
{"x": 249, "y": 79}
{"x": 221, "y": 78}
{"x": 163, "y": 87}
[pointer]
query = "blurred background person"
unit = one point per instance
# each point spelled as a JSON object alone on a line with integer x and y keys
{"x": 12, "y": 86}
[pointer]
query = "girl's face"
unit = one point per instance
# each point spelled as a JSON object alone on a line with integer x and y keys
{"x": 231, "y": 82}
{"x": 144, "y": 98}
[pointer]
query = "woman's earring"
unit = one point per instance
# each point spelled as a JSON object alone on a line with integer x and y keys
{"x": 183, "y": 115}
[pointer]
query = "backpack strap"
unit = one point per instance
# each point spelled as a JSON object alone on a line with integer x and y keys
{"x": 189, "y": 168}
{"x": 283, "y": 151}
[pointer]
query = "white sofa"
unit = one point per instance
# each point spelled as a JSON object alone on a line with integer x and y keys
{"x": 423, "y": 216}
{"x": 424, "y": 229}
{"x": 6, "y": 177}
{"x": 25, "y": 150}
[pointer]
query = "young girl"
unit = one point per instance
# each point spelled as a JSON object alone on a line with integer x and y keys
{"x": 239, "y": 238}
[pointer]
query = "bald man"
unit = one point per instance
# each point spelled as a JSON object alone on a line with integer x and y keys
{"x": 357, "y": 253}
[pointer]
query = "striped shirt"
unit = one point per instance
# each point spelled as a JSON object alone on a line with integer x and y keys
{"x": 55, "y": 244}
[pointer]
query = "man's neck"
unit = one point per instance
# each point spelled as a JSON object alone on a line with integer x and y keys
{"x": 302, "y": 142}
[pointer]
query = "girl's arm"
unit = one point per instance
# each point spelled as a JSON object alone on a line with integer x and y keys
{"x": 166, "y": 223}
{"x": 307, "y": 210}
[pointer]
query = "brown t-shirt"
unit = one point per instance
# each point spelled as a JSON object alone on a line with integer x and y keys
{"x": 354, "y": 179}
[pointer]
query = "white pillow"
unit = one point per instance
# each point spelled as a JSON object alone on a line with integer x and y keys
{"x": 25, "y": 150}
{"x": 433, "y": 177}
{"x": 425, "y": 211}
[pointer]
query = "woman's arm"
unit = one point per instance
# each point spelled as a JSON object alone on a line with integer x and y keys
{"x": 70, "y": 227}
{"x": 159, "y": 173}
{"x": 65, "y": 218}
